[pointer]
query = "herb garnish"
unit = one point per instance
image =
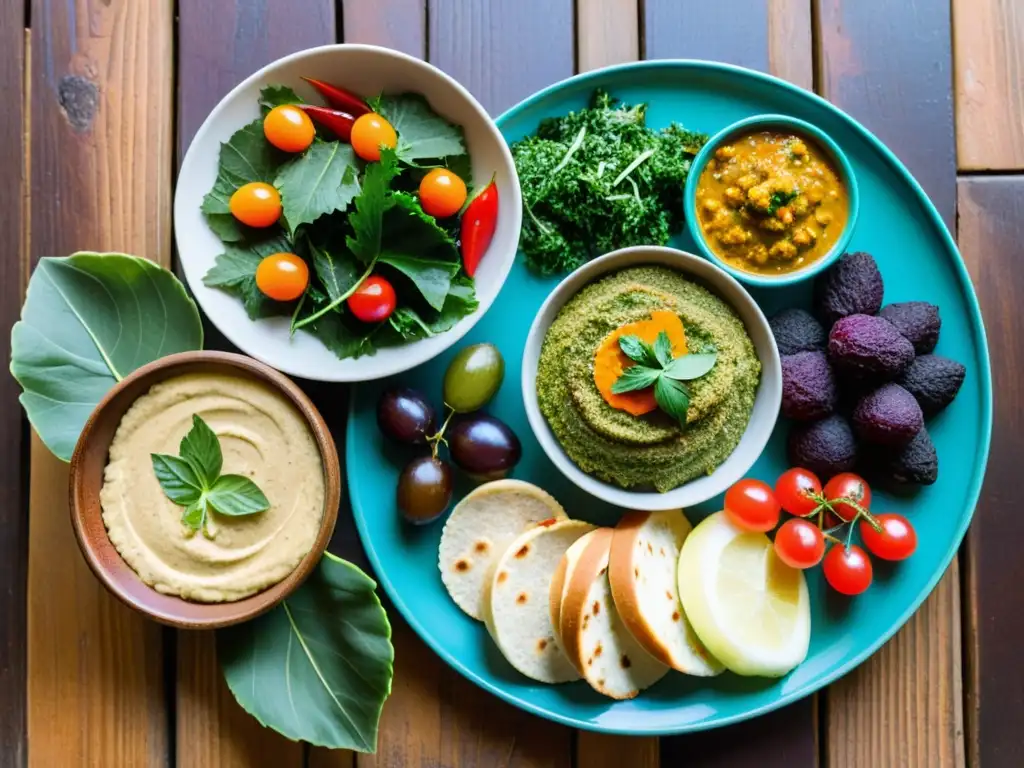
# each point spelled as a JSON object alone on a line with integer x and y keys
{"x": 655, "y": 366}
{"x": 193, "y": 480}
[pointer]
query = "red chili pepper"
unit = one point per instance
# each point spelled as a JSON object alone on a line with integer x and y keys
{"x": 339, "y": 98}
{"x": 334, "y": 120}
{"x": 478, "y": 223}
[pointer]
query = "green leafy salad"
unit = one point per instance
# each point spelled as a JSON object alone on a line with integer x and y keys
{"x": 600, "y": 179}
{"x": 345, "y": 225}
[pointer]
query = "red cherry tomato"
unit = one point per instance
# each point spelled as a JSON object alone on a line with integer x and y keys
{"x": 896, "y": 541}
{"x": 282, "y": 276}
{"x": 799, "y": 543}
{"x": 851, "y": 486}
{"x": 751, "y": 505}
{"x": 369, "y": 133}
{"x": 442, "y": 193}
{"x": 256, "y": 204}
{"x": 794, "y": 490}
{"x": 848, "y": 571}
{"x": 373, "y": 301}
{"x": 288, "y": 128}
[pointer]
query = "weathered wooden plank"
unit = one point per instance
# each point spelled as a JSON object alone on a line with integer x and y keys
{"x": 398, "y": 24}
{"x": 502, "y": 51}
{"x": 790, "y": 50}
{"x": 989, "y": 65}
{"x": 13, "y": 447}
{"x": 734, "y": 31}
{"x": 220, "y": 44}
{"x": 889, "y": 65}
{"x": 101, "y": 116}
{"x": 991, "y": 230}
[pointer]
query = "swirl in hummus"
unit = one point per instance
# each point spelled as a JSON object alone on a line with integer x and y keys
{"x": 650, "y": 450}
{"x": 262, "y": 436}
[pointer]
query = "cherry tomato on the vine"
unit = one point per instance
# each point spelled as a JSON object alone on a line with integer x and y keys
{"x": 256, "y": 204}
{"x": 369, "y": 133}
{"x": 794, "y": 490}
{"x": 847, "y": 571}
{"x": 896, "y": 541}
{"x": 851, "y": 486}
{"x": 751, "y": 505}
{"x": 288, "y": 128}
{"x": 799, "y": 543}
{"x": 442, "y": 193}
{"x": 374, "y": 300}
{"x": 282, "y": 276}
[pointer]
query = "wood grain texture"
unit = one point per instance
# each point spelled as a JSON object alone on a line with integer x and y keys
{"x": 904, "y": 705}
{"x": 502, "y": 51}
{"x": 220, "y": 44}
{"x": 13, "y": 446}
{"x": 991, "y": 230}
{"x": 398, "y": 24}
{"x": 989, "y": 65}
{"x": 101, "y": 117}
{"x": 890, "y": 66}
{"x": 607, "y": 32}
{"x": 790, "y": 49}
{"x": 733, "y": 31}
{"x": 601, "y": 750}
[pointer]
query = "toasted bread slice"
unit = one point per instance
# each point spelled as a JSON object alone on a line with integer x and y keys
{"x": 642, "y": 574}
{"x": 560, "y": 584}
{"x": 611, "y": 659}
{"x": 516, "y": 608}
{"x": 479, "y": 530}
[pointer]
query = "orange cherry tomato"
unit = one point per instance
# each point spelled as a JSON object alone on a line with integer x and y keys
{"x": 257, "y": 204}
{"x": 369, "y": 133}
{"x": 442, "y": 193}
{"x": 288, "y": 128}
{"x": 282, "y": 276}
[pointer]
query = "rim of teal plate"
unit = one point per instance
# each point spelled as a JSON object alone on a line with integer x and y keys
{"x": 974, "y": 491}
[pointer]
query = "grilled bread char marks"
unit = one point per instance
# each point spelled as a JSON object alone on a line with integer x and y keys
{"x": 560, "y": 585}
{"x": 479, "y": 530}
{"x": 611, "y": 659}
{"x": 642, "y": 573}
{"x": 517, "y": 609}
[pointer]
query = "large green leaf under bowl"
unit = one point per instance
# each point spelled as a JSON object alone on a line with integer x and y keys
{"x": 918, "y": 259}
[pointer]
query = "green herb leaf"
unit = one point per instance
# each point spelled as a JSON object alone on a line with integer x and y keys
{"x": 431, "y": 278}
{"x": 234, "y": 271}
{"x": 409, "y": 230}
{"x": 634, "y": 378}
{"x": 639, "y": 351}
{"x": 201, "y": 448}
{"x": 673, "y": 398}
{"x": 194, "y": 516}
{"x": 276, "y": 96}
{"x": 688, "y": 367}
{"x": 421, "y": 132}
{"x": 89, "y": 320}
{"x": 663, "y": 348}
{"x": 236, "y": 495}
{"x": 318, "y": 667}
{"x": 337, "y": 270}
{"x": 319, "y": 181}
{"x": 367, "y": 218}
{"x": 178, "y": 478}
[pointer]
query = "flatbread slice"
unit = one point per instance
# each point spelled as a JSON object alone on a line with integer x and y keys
{"x": 612, "y": 660}
{"x": 642, "y": 574}
{"x": 560, "y": 584}
{"x": 479, "y": 530}
{"x": 517, "y": 611}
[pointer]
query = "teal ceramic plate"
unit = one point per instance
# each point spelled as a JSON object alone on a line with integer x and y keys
{"x": 918, "y": 259}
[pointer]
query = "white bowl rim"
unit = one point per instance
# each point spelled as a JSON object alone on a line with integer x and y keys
{"x": 365, "y": 368}
{"x": 770, "y": 386}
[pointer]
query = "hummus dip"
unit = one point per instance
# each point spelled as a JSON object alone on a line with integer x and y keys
{"x": 262, "y": 436}
{"x": 651, "y": 450}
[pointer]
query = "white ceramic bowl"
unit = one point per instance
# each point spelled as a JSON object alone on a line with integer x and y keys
{"x": 766, "y": 402}
{"x": 366, "y": 70}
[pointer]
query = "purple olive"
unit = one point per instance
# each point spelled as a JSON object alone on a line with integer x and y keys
{"x": 424, "y": 489}
{"x": 483, "y": 445}
{"x": 405, "y": 416}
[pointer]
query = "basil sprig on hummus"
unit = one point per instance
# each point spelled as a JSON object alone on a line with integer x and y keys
{"x": 656, "y": 367}
{"x": 193, "y": 480}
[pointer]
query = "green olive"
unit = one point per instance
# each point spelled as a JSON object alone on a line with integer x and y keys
{"x": 473, "y": 377}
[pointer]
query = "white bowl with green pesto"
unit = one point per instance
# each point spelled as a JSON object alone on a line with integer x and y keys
{"x": 712, "y": 401}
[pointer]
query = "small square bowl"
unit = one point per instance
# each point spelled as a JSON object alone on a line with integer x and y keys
{"x": 788, "y": 125}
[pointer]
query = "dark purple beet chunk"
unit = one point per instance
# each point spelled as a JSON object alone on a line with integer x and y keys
{"x": 917, "y": 321}
{"x": 796, "y": 330}
{"x": 888, "y": 416}
{"x": 808, "y": 386}
{"x": 851, "y": 286}
{"x": 825, "y": 447}
{"x": 934, "y": 381}
{"x": 869, "y": 347}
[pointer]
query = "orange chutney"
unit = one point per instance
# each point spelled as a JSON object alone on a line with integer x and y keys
{"x": 771, "y": 203}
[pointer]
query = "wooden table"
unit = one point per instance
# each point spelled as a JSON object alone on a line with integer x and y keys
{"x": 101, "y": 99}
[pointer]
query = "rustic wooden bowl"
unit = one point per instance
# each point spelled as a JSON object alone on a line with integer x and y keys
{"x": 90, "y": 458}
